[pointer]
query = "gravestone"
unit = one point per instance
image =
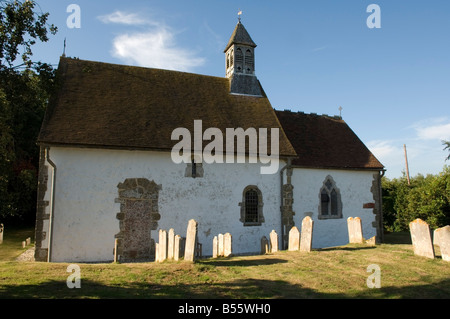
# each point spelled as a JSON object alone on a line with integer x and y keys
{"x": 372, "y": 241}
{"x": 170, "y": 244}
{"x": 116, "y": 253}
{"x": 441, "y": 238}
{"x": 157, "y": 252}
{"x": 421, "y": 238}
{"x": 162, "y": 245}
{"x": 178, "y": 247}
{"x": 307, "y": 234}
{"x": 354, "y": 230}
{"x": 273, "y": 241}
{"x": 215, "y": 247}
{"x": 191, "y": 241}
{"x": 227, "y": 249}
{"x": 294, "y": 239}
{"x": 264, "y": 245}
{"x": 220, "y": 245}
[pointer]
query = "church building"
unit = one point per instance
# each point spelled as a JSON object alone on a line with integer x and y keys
{"x": 107, "y": 168}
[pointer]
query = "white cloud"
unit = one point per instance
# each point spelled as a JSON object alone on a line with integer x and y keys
{"x": 382, "y": 149}
{"x": 424, "y": 156}
{"x": 120, "y": 17}
{"x": 441, "y": 132}
{"x": 156, "y": 47}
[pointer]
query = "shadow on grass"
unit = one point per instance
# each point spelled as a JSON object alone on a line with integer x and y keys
{"x": 223, "y": 262}
{"x": 238, "y": 289}
{"x": 347, "y": 248}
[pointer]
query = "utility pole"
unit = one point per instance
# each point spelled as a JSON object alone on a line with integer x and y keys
{"x": 406, "y": 161}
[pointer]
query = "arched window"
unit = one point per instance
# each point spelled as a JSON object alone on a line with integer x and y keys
{"x": 330, "y": 200}
{"x": 251, "y": 206}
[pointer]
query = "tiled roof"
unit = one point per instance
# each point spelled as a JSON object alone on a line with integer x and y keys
{"x": 116, "y": 106}
{"x": 325, "y": 142}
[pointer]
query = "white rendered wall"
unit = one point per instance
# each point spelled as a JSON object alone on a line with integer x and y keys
{"x": 84, "y": 217}
{"x": 355, "y": 190}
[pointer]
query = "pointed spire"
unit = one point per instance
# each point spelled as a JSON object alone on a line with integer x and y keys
{"x": 240, "y": 36}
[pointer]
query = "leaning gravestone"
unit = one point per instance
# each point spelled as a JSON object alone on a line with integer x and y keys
{"x": 421, "y": 238}
{"x": 307, "y": 234}
{"x": 294, "y": 239}
{"x": 354, "y": 230}
{"x": 274, "y": 241}
{"x": 191, "y": 241}
{"x": 441, "y": 238}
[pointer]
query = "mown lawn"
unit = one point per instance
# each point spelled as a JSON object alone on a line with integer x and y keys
{"x": 339, "y": 272}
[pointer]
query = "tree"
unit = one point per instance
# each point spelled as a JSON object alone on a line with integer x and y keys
{"x": 428, "y": 198}
{"x": 25, "y": 87}
{"x": 20, "y": 27}
{"x": 447, "y": 146}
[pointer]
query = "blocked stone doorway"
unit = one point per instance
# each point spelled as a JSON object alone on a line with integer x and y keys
{"x": 138, "y": 216}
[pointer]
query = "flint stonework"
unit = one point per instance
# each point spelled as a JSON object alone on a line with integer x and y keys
{"x": 442, "y": 239}
{"x": 191, "y": 241}
{"x": 421, "y": 238}
{"x": 307, "y": 234}
{"x": 294, "y": 239}
{"x": 138, "y": 216}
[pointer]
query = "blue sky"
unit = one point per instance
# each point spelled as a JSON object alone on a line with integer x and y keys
{"x": 393, "y": 82}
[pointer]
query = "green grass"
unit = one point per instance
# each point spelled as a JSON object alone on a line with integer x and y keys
{"x": 339, "y": 272}
{"x": 12, "y": 242}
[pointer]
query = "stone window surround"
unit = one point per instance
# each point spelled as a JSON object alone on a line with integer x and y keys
{"x": 330, "y": 179}
{"x": 260, "y": 207}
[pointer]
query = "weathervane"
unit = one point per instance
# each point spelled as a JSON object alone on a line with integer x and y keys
{"x": 64, "y": 51}
{"x": 239, "y": 15}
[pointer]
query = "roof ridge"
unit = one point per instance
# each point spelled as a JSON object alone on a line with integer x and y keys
{"x": 335, "y": 117}
{"x": 138, "y": 67}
